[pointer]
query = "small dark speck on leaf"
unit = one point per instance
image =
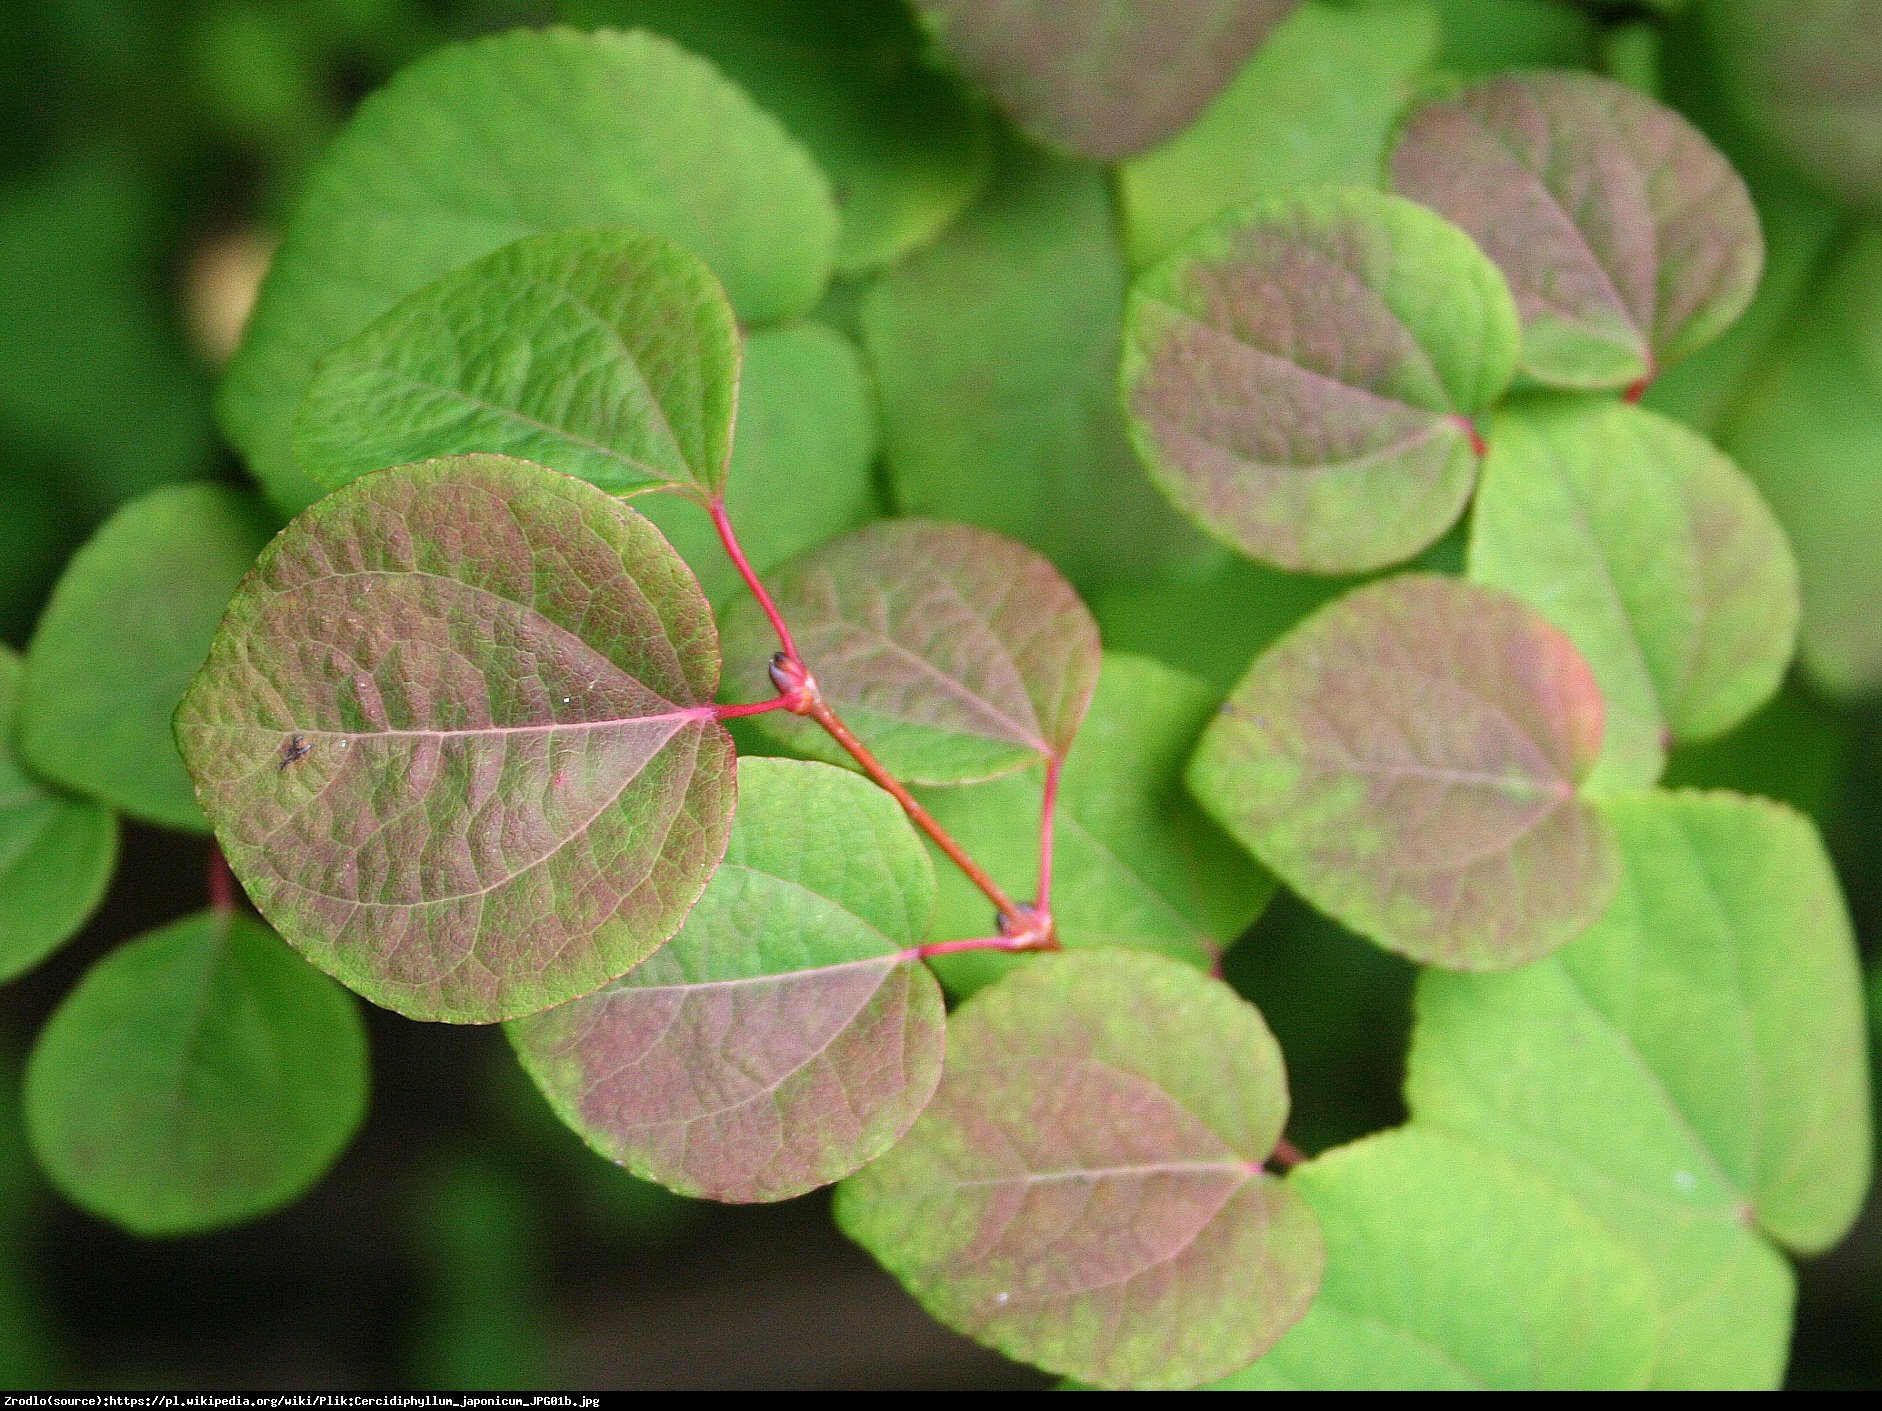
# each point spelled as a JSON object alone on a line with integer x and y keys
{"x": 295, "y": 749}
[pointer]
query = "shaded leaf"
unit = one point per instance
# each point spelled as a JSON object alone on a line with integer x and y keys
{"x": 198, "y": 1076}
{"x": 1408, "y": 759}
{"x": 126, "y": 628}
{"x": 788, "y": 1033}
{"x": 1656, "y": 556}
{"x": 952, "y": 653}
{"x": 1085, "y": 1191}
{"x": 1450, "y": 1268}
{"x": 608, "y": 355}
{"x": 456, "y": 738}
{"x": 1301, "y": 375}
{"x": 1487, "y": 36}
{"x": 1629, "y": 242}
{"x": 470, "y": 149}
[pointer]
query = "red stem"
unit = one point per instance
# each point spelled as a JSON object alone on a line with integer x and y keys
{"x": 1009, "y": 944}
{"x": 1286, "y": 1156}
{"x": 221, "y": 882}
{"x": 716, "y": 508}
{"x": 734, "y": 712}
{"x": 1046, "y": 810}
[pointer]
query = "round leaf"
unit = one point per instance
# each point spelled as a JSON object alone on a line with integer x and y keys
{"x": 1408, "y": 760}
{"x": 456, "y": 738}
{"x": 1627, "y": 239}
{"x": 789, "y": 1032}
{"x": 196, "y": 1077}
{"x": 1300, "y": 376}
{"x": 1085, "y": 1191}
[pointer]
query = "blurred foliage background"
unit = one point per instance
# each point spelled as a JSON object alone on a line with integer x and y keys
{"x": 147, "y": 149}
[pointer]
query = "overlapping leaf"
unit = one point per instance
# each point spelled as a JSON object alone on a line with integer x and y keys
{"x": 127, "y": 626}
{"x": 1488, "y": 36}
{"x": 1450, "y": 1268}
{"x": 953, "y": 654}
{"x": 789, "y": 1032}
{"x": 1692, "y": 1065}
{"x": 481, "y": 144}
{"x": 1656, "y": 556}
{"x": 1301, "y": 375}
{"x": 608, "y": 355}
{"x": 1627, "y": 239}
{"x": 1085, "y": 1191}
{"x": 456, "y": 738}
{"x": 1409, "y": 759}
{"x": 198, "y": 1076}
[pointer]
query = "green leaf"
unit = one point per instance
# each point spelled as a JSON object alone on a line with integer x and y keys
{"x": 1085, "y": 1191}
{"x": 1692, "y": 1064}
{"x": 1316, "y": 104}
{"x": 1409, "y": 760}
{"x": 1798, "y": 750}
{"x": 196, "y": 1077}
{"x": 1486, "y": 36}
{"x": 1301, "y": 375}
{"x": 127, "y": 626}
{"x": 995, "y": 351}
{"x": 1102, "y": 78}
{"x": 904, "y": 150}
{"x": 801, "y": 465}
{"x": 1629, "y": 242}
{"x": 789, "y": 1032}
{"x": 1450, "y": 1268}
{"x": 1656, "y": 556}
{"x": 456, "y": 738}
{"x": 1136, "y": 863}
{"x": 607, "y": 355}
{"x": 954, "y": 654}
{"x": 56, "y": 853}
{"x": 480, "y": 144}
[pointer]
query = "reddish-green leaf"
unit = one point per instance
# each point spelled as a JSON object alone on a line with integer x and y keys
{"x": 789, "y": 1032}
{"x": 1300, "y": 376}
{"x": 456, "y": 739}
{"x": 1085, "y": 1191}
{"x": 1628, "y": 240}
{"x": 1408, "y": 759}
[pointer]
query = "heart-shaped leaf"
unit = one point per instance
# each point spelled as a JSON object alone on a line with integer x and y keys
{"x": 197, "y": 1076}
{"x": 1409, "y": 759}
{"x": 1629, "y": 242}
{"x": 1104, "y": 78}
{"x": 789, "y": 1032}
{"x": 56, "y": 852}
{"x": 1656, "y": 556}
{"x": 608, "y": 355}
{"x": 480, "y": 144}
{"x": 954, "y": 654}
{"x": 126, "y": 628}
{"x": 1085, "y": 1191}
{"x": 456, "y": 738}
{"x": 1301, "y": 376}
{"x": 1451, "y": 1268}
{"x": 1691, "y": 1065}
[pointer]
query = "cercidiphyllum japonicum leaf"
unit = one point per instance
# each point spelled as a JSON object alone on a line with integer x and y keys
{"x": 954, "y": 654}
{"x": 56, "y": 852}
{"x": 1452, "y": 1268}
{"x": 1317, "y": 103}
{"x": 127, "y": 625}
{"x": 456, "y": 738}
{"x": 1809, "y": 74}
{"x": 1409, "y": 759}
{"x": 1654, "y": 553}
{"x": 1691, "y": 1066}
{"x": 1136, "y": 863}
{"x": 904, "y": 150}
{"x": 1628, "y": 240}
{"x": 480, "y": 144}
{"x": 1300, "y": 376}
{"x": 608, "y": 355}
{"x": 802, "y": 461}
{"x": 1085, "y": 1190}
{"x": 197, "y": 1076}
{"x": 1102, "y": 78}
{"x": 788, "y": 1033}
{"x": 995, "y": 353}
